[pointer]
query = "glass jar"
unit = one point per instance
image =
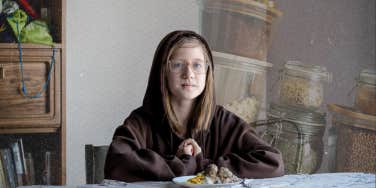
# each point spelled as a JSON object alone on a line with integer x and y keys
{"x": 242, "y": 28}
{"x": 302, "y": 85}
{"x": 331, "y": 148}
{"x": 298, "y": 136}
{"x": 240, "y": 85}
{"x": 356, "y": 136}
{"x": 365, "y": 95}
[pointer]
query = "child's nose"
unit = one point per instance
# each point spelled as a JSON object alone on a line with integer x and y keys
{"x": 188, "y": 71}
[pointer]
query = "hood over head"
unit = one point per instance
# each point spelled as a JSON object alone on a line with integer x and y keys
{"x": 153, "y": 100}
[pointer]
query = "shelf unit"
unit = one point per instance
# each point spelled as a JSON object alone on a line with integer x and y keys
{"x": 40, "y": 122}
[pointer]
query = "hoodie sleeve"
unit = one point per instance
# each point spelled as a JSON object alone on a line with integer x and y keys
{"x": 129, "y": 159}
{"x": 243, "y": 152}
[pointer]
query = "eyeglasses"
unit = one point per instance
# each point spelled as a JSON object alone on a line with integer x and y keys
{"x": 176, "y": 66}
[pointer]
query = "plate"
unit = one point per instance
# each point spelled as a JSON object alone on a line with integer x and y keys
{"x": 182, "y": 180}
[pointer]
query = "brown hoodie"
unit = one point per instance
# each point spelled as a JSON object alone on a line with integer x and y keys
{"x": 144, "y": 147}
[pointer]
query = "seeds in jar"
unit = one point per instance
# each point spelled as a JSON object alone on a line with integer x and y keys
{"x": 246, "y": 108}
{"x": 354, "y": 151}
{"x": 301, "y": 92}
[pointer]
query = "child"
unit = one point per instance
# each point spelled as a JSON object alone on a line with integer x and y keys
{"x": 179, "y": 129}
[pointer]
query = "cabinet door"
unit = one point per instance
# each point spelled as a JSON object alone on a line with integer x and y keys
{"x": 18, "y": 110}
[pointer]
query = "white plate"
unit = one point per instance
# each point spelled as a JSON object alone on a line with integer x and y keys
{"x": 182, "y": 180}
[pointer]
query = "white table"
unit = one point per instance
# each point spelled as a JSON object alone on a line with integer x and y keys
{"x": 326, "y": 180}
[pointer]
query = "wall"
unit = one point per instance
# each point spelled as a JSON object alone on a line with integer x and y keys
{"x": 110, "y": 46}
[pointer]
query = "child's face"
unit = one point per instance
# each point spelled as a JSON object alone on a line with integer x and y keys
{"x": 187, "y": 80}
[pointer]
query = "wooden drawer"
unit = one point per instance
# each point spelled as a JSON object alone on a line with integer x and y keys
{"x": 19, "y": 111}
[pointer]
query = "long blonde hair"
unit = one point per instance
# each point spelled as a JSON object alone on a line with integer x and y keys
{"x": 201, "y": 116}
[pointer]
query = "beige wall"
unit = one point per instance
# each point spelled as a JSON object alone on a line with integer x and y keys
{"x": 110, "y": 46}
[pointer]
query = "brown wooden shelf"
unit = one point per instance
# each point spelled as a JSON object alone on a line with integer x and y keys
{"x": 29, "y": 130}
{"x": 39, "y": 122}
{"x": 29, "y": 46}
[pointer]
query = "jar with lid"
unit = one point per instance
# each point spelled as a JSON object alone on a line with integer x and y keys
{"x": 298, "y": 136}
{"x": 240, "y": 85}
{"x": 301, "y": 85}
{"x": 365, "y": 94}
{"x": 239, "y": 27}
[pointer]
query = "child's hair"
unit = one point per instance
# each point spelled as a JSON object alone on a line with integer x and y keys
{"x": 203, "y": 107}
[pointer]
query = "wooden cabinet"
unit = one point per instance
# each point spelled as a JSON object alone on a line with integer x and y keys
{"x": 16, "y": 108}
{"x": 40, "y": 122}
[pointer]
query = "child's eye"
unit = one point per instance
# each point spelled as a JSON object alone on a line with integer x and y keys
{"x": 177, "y": 65}
{"x": 198, "y": 65}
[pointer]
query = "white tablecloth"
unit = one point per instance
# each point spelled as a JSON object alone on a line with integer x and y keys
{"x": 325, "y": 180}
{"x": 330, "y": 180}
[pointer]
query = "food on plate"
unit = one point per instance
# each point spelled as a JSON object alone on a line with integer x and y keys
{"x": 211, "y": 175}
{"x": 198, "y": 179}
{"x": 226, "y": 176}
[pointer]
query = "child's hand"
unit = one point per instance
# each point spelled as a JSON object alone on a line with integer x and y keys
{"x": 189, "y": 147}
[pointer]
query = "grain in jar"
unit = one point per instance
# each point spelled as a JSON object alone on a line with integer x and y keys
{"x": 298, "y": 136}
{"x": 239, "y": 27}
{"x": 301, "y": 85}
